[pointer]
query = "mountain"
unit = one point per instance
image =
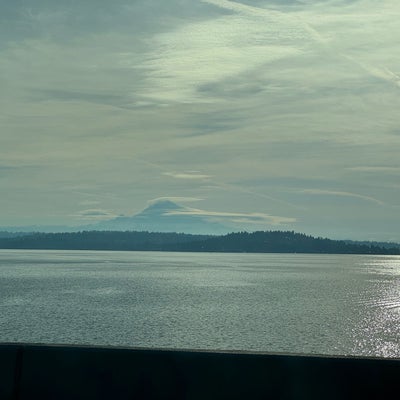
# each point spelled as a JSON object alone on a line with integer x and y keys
{"x": 162, "y": 216}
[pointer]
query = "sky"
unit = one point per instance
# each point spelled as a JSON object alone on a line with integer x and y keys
{"x": 261, "y": 114}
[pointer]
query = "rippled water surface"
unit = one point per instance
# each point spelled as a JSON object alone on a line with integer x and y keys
{"x": 327, "y": 304}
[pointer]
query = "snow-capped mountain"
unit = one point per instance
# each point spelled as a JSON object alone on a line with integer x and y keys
{"x": 163, "y": 216}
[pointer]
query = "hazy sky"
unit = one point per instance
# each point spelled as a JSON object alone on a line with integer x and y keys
{"x": 265, "y": 114}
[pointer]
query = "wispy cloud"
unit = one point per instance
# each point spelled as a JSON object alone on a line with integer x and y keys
{"x": 320, "y": 192}
{"x": 79, "y": 96}
{"x": 203, "y": 53}
{"x": 256, "y": 218}
{"x": 178, "y": 199}
{"x": 377, "y": 71}
{"x": 374, "y": 169}
{"x": 195, "y": 175}
{"x": 89, "y": 203}
{"x": 94, "y": 214}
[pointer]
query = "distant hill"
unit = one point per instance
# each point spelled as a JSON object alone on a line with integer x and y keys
{"x": 18, "y": 230}
{"x": 7, "y": 234}
{"x": 243, "y": 242}
{"x": 386, "y": 245}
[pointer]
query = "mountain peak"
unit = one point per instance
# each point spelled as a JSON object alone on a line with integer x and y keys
{"x": 163, "y": 203}
{"x": 161, "y": 206}
{"x": 163, "y": 215}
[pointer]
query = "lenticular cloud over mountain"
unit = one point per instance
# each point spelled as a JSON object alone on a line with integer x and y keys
{"x": 164, "y": 216}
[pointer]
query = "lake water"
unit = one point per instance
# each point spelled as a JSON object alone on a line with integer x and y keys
{"x": 326, "y": 304}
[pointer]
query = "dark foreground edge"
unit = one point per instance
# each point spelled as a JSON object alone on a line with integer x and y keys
{"x": 30, "y": 371}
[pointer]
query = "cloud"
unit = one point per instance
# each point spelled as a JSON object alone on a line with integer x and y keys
{"x": 255, "y": 218}
{"x": 193, "y": 56}
{"x": 95, "y": 214}
{"x": 320, "y": 192}
{"x": 174, "y": 199}
{"x": 374, "y": 169}
{"x": 239, "y": 7}
{"x": 80, "y": 96}
{"x": 380, "y": 72}
{"x": 89, "y": 203}
{"x": 187, "y": 175}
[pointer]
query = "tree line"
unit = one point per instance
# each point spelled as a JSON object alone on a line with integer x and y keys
{"x": 242, "y": 242}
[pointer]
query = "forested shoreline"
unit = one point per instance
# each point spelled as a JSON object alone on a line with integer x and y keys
{"x": 240, "y": 242}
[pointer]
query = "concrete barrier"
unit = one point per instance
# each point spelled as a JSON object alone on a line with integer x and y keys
{"x": 10, "y": 355}
{"x": 77, "y": 372}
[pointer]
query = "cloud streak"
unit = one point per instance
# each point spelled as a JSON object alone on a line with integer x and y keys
{"x": 94, "y": 214}
{"x": 254, "y": 218}
{"x": 319, "y": 192}
{"x": 375, "y": 169}
{"x": 191, "y": 175}
{"x": 179, "y": 199}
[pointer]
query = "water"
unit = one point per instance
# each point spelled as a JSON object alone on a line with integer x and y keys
{"x": 323, "y": 304}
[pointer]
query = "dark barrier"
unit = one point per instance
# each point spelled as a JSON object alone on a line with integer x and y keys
{"x": 75, "y": 372}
